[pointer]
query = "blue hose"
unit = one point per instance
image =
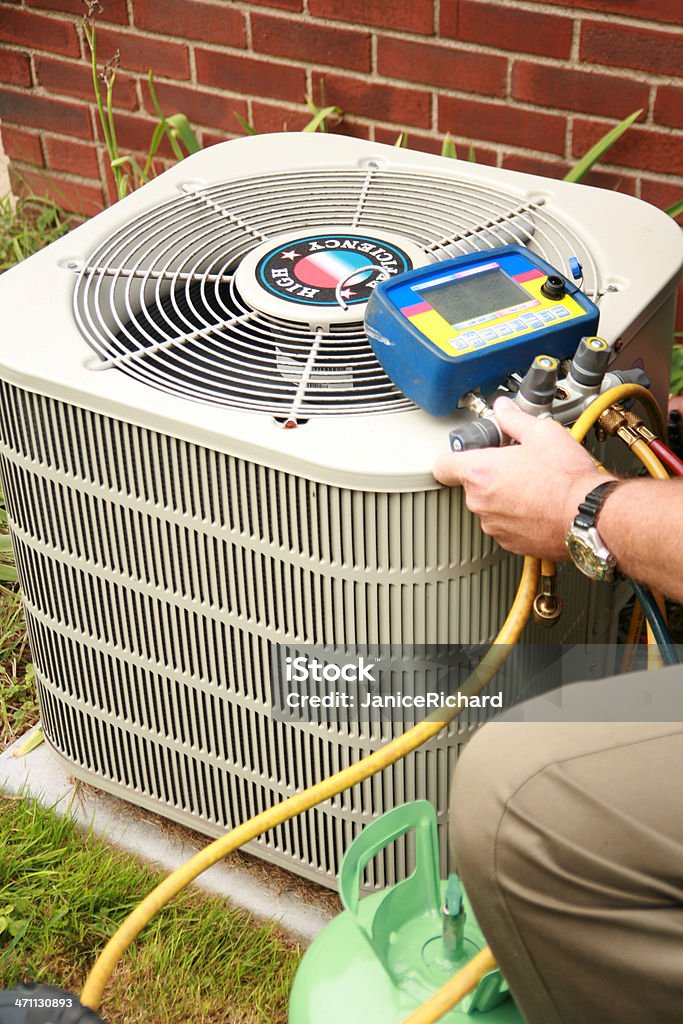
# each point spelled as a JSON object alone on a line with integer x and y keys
{"x": 656, "y": 622}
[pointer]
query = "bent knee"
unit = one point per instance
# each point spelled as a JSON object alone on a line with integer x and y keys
{"x": 496, "y": 762}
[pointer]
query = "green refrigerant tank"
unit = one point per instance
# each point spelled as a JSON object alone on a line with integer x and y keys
{"x": 386, "y": 954}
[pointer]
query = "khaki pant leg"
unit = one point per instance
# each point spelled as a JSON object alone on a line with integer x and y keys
{"x": 569, "y": 839}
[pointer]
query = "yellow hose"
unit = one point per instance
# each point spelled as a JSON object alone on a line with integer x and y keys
{"x": 648, "y": 458}
{"x": 657, "y": 470}
{"x": 330, "y": 787}
{"x": 455, "y": 989}
{"x": 372, "y": 764}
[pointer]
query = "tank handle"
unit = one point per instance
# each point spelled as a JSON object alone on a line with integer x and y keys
{"x": 415, "y": 895}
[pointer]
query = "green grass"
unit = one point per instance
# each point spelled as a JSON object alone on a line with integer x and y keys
{"x": 61, "y": 897}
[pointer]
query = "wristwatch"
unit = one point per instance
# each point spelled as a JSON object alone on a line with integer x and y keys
{"x": 586, "y": 548}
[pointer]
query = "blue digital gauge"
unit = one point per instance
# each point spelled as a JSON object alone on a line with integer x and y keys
{"x": 469, "y": 322}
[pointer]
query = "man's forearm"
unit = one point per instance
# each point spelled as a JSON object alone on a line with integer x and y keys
{"x": 527, "y": 495}
{"x": 641, "y": 523}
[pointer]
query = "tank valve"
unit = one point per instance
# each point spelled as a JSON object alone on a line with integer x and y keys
{"x": 453, "y": 918}
{"x": 548, "y": 605}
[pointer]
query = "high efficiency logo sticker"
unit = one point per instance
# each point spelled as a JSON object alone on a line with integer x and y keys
{"x": 326, "y": 270}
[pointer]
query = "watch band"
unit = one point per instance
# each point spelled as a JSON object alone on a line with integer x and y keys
{"x": 590, "y": 507}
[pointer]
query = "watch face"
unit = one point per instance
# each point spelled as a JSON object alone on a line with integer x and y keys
{"x": 586, "y": 558}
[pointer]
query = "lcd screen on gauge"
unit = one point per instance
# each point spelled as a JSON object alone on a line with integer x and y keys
{"x": 470, "y": 297}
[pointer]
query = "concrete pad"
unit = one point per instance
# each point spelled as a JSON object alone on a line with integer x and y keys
{"x": 39, "y": 775}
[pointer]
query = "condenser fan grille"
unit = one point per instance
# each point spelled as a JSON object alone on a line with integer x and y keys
{"x": 159, "y": 300}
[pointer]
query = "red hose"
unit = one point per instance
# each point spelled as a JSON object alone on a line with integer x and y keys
{"x": 667, "y": 457}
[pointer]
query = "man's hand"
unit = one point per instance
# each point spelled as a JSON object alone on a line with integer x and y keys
{"x": 526, "y": 495}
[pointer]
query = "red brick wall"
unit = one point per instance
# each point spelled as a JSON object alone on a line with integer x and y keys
{"x": 530, "y": 84}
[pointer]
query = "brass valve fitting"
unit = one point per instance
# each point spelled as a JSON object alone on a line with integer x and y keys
{"x": 548, "y": 605}
{"x": 619, "y": 422}
{"x": 613, "y": 419}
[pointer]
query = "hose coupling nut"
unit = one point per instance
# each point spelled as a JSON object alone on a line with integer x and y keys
{"x": 548, "y": 605}
{"x": 613, "y": 419}
{"x": 474, "y": 403}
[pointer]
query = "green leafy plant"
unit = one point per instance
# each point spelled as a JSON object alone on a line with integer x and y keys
{"x": 18, "y": 708}
{"x": 127, "y": 172}
{"x": 596, "y": 152}
{"x": 575, "y": 173}
{"x": 448, "y": 149}
{"x": 14, "y": 918}
{"x": 247, "y": 126}
{"x": 27, "y": 224}
{"x": 323, "y": 118}
{"x": 17, "y": 702}
{"x": 676, "y": 387}
{"x": 8, "y": 572}
{"x": 176, "y": 128}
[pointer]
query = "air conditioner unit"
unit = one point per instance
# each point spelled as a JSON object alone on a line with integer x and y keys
{"x": 202, "y": 458}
